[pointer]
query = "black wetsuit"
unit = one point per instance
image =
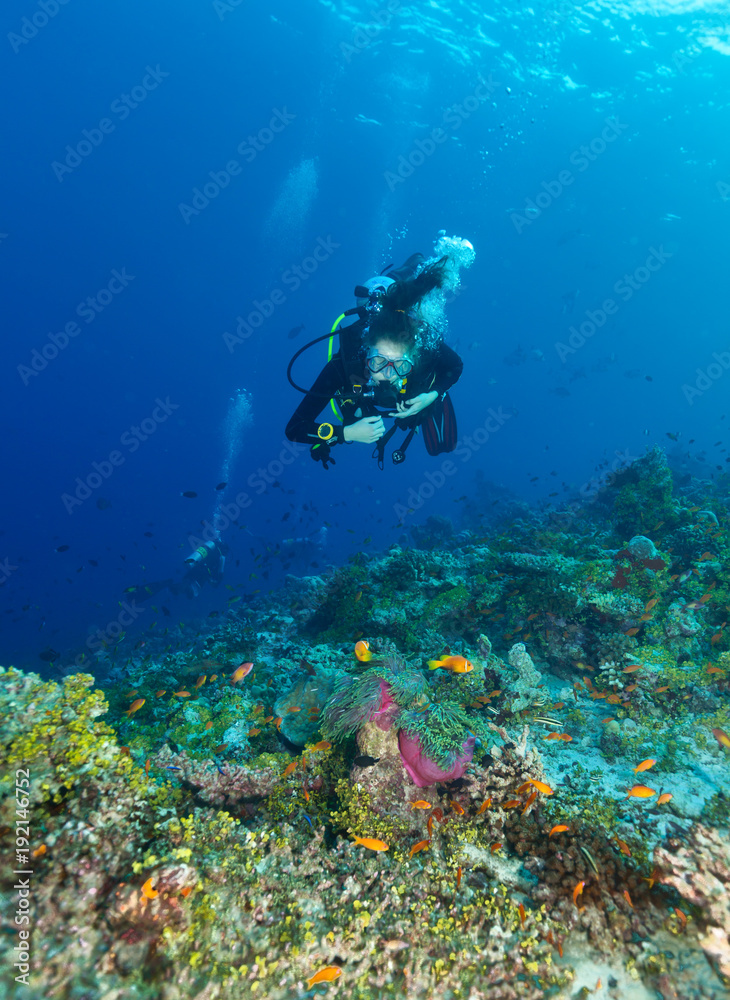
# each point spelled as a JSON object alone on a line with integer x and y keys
{"x": 435, "y": 370}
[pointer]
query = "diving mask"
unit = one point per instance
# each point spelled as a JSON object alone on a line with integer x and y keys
{"x": 379, "y": 363}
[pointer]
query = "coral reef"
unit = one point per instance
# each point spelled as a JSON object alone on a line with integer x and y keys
{"x": 528, "y": 678}
{"x": 519, "y": 777}
{"x": 698, "y": 867}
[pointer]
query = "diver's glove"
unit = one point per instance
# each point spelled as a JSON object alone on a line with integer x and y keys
{"x": 321, "y": 453}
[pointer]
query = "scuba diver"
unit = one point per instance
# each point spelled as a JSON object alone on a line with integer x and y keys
{"x": 204, "y": 565}
{"x": 392, "y": 362}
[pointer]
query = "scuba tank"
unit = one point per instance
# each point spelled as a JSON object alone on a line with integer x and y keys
{"x": 202, "y": 552}
{"x": 368, "y": 298}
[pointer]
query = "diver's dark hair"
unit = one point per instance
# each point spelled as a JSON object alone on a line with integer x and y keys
{"x": 394, "y": 320}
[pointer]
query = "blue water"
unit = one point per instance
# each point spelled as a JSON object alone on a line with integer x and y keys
{"x": 313, "y": 127}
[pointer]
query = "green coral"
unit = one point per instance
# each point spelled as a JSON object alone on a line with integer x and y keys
{"x": 645, "y": 485}
{"x": 65, "y": 733}
{"x": 356, "y": 699}
{"x": 353, "y": 702}
{"x": 447, "y": 606}
{"x": 441, "y": 729}
{"x": 356, "y": 815}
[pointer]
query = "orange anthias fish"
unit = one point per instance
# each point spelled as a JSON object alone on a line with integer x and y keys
{"x": 182, "y": 694}
{"x": 560, "y": 828}
{"x": 289, "y": 769}
{"x": 577, "y": 891}
{"x": 148, "y": 891}
{"x": 632, "y": 668}
{"x": 362, "y": 651}
{"x": 644, "y": 765}
{"x": 135, "y": 707}
{"x": 457, "y": 664}
{"x": 664, "y": 798}
{"x": 322, "y": 745}
{"x": 241, "y": 671}
{"x": 529, "y": 802}
{"x": 201, "y": 681}
{"x": 327, "y": 974}
{"x": 372, "y": 843}
{"x": 484, "y": 806}
{"x": 541, "y": 786}
{"x": 420, "y": 804}
{"x": 640, "y": 792}
{"x": 458, "y": 809}
{"x": 720, "y": 735}
{"x": 422, "y": 845}
{"x": 521, "y": 911}
{"x": 627, "y": 897}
